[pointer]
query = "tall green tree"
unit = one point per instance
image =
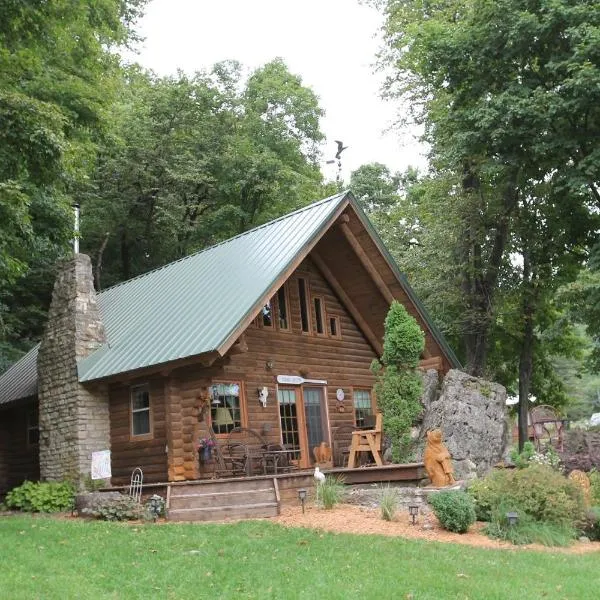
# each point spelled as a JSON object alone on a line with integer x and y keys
{"x": 58, "y": 64}
{"x": 193, "y": 160}
{"x": 508, "y": 94}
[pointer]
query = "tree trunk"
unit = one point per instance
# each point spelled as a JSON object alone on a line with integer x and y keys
{"x": 526, "y": 356}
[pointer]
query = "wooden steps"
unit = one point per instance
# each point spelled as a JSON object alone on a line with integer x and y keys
{"x": 219, "y": 500}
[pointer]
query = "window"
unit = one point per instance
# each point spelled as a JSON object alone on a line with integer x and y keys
{"x": 140, "y": 411}
{"x": 319, "y": 315}
{"x": 33, "y": 429}
{"x": 304, "y": 315}
{"x": 267, "y": 314}
{"x": 226, "y": 407}
{"x": 362, "y": 406}
{"x": 282, "y": 308}
{"x": 334, "y": 327}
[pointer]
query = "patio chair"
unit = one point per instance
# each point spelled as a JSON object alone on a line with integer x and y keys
{"x": 245, "y": 449}
{"x": 548, "y": 427}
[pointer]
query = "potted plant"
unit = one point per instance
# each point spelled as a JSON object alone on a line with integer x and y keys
{"x": 205, "y": 446}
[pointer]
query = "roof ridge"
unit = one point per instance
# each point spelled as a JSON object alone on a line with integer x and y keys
{"x": 231, "y": 239}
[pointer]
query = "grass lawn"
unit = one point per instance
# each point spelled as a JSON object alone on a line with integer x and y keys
{"x": 60, "y": 559}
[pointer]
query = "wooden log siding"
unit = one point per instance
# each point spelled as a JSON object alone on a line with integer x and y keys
{"x": 343, "y": 362}
{"x": 126, "y": 452}
{"x": 18, "y": 459}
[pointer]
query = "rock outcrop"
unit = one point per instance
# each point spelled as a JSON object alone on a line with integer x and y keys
{"x": 472, "y": 414}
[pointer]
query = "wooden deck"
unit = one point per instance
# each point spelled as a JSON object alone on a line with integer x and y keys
{"x": 262, "y": 495}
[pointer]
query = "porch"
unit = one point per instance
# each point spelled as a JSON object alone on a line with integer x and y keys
{"x": 263, "y": 496}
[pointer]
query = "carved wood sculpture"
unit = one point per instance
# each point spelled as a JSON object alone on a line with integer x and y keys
{"x": 581, "y": 479}
{"x": 437, "y": 459}
{"x": 322, "y": 453}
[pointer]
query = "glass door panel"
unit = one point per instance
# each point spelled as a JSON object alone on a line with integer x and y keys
{"x": 290, "y": 422}
{"x": 314, "y": 411}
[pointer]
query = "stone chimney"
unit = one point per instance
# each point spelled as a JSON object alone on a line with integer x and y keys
{"x": 74, "y": 420}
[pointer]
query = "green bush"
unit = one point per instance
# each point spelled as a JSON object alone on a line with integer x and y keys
{"x": 595, "y": 486}
{"x": 527, "y": 530}
{"x": 389, "y": 503}
{"x": 530, "y": 456}
{"x": 591, "y": 526}
{"x": 331, "y": 491}
{"x": 117, "y": 509}
{"x": 454, "y": 510}
{"x": 538, "y": 491}
{"x": 42, "y": 497}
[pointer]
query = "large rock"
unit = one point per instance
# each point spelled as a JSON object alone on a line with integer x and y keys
{"x": 471, "y": 413}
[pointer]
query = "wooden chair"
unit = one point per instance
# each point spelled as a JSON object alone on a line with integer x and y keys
{"x": 341, "y": 440}
{"x": 367, "y": 440}
{"x": 245, "y": 449}
{"x": 548, "y": 427}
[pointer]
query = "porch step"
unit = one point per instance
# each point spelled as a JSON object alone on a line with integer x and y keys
{"x": 216, "y": 501}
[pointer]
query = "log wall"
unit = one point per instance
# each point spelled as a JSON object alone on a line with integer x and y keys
{"x": 18, "y": 459}
{"x": 127, "y": 453}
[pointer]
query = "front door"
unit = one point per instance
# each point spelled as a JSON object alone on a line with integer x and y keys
{"x": 303, "y": 417}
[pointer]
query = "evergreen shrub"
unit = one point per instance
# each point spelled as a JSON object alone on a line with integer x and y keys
{"x": 399, "y": 386}
{"x": 454, "y": 509}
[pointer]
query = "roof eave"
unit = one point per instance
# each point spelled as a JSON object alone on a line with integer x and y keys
{"x": 435, "y": 332}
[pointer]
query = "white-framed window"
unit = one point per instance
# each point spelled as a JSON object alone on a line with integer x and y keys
{"x": 363, "y": 405}
{"x": 141, "y": 422}
{"x": 226, "y": 407}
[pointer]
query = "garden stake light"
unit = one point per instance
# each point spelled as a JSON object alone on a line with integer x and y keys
{"x": 413, "y": 511}
{"x": 302, "y": 497}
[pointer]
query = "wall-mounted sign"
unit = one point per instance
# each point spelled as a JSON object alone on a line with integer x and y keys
{"x": 339, "y": 394}
{"x": 101, "y": 465}
{"x": 297, "y": 380}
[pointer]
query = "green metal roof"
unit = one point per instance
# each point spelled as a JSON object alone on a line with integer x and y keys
{"x": 197, "y": 304}
{"x": 194, "y": 305}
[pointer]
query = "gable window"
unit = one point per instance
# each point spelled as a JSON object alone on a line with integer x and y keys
{"x": 303, "y": 296}
{"x": 33, "y": 429}
{"x": 319, "y": 315}
{"x": 282, "y": 308}
{"x": 334, "y": 327}
{"x": 140, "y": 411}
{"x": 267, "y": 314}
{"x": 363, "y": 406}
{"x": 226, "y": 407}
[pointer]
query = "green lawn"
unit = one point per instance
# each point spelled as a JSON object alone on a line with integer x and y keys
{"x": 53, "y": 559}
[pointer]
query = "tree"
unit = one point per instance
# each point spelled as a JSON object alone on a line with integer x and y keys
{"x": 58, "y": 61}
{"x": 399, "y": 386}
{"x": 191, "y": 161}
{"x": 513, "y": 125}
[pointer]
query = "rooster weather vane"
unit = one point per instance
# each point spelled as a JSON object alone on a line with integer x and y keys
{"x": 338, "y": 158}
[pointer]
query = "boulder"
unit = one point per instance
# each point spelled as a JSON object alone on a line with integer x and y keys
{"x": 471, "y": 413}
{"x": 93, "y": 499}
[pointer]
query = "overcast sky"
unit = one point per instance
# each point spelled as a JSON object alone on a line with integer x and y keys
{"x": 331, "y": 44}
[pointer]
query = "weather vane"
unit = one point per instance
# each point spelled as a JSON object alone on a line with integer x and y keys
{"x": 338, "y": 158}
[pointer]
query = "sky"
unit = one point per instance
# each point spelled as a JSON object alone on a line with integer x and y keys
{"x": 331, "y": 44}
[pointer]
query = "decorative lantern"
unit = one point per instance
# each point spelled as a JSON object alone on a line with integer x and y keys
{"x": 413, "y": 511}
{"x": 302, "y": 497}
{"x": 512, "y": 518}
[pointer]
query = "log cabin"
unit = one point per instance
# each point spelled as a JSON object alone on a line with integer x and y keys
{"x": 274, "y": 330}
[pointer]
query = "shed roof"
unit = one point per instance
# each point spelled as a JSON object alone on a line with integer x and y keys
{"x": 20, "y": 380}
{"x": 198, "y": 304}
